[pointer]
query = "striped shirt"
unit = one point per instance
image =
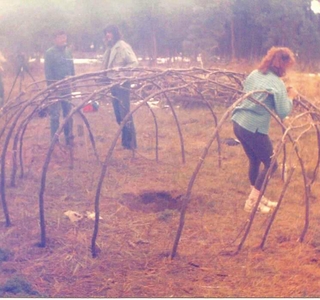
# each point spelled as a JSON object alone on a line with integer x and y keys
{"x": 255, "y": 117}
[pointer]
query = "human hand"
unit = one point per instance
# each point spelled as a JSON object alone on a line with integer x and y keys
{"x": 292, "y": 92}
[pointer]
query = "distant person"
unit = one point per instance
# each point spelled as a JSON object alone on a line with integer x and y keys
{"x": 119, "y": 54}
{"x": 251, "y": 121}
{"x": 58, "y": 64}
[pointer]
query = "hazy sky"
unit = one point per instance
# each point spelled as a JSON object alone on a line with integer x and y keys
{"x": 315, "y": 6}
{"x": 7, "y": 5}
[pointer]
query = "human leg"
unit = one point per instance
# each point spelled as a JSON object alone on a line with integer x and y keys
{"x": 258, "y": 148}
{"x": 54, "y": 112}
{"x": 122, "y": 108}
{"x": 129, "y": 140}
{"x": 67, "y": 129}
{"x": 264, "y": 151}
{"x": 248, "y": 142}
{"x": 116, "y": 103}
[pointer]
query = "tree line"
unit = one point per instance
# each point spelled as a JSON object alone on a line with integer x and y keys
{"x": 217, "y": 29}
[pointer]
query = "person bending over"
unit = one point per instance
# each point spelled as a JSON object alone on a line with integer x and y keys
{"x": 251, "y": 121}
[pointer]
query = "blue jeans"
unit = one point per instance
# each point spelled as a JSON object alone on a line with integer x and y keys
{"x": 121, "y": 107}
{"x": 54, "y": 111}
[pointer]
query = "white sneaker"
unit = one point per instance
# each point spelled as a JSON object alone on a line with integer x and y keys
{"x": 250, "y": 203}
{"x": 265, "y": 201}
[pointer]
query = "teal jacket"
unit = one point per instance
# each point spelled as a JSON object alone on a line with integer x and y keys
{"x": 255, "y": 117}
{"x": 58, "y": 64}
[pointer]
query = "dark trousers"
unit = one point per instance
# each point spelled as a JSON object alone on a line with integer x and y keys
{"x": 121, "y": 107}
{"x": 258, "y": 149}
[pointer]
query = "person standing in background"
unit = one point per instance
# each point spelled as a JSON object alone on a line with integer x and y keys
{"x": 58, "y": 65}
{"x": 119, "y": 54}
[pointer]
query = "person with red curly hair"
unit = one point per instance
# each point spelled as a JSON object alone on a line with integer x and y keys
{"x": 251, "y": 121}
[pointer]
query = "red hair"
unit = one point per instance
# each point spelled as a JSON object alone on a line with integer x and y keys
{"x": 277, "y": 60}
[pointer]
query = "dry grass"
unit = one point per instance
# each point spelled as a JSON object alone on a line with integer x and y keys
{"x": 139, "y": 225}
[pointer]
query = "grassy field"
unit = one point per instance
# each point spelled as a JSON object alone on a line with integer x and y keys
{"x": 140, "y": 210}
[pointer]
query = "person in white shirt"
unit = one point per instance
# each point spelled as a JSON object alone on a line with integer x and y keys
{"x": 119, "y": 54}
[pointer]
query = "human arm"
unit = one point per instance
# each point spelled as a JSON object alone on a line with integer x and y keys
{"x": 126, "y": 56}
{"x": 292, "y": 92}
{"x": 283, "y": 100}
{"x": 71, "y": 64}
{"x": 131, "y": 58}
{"x": 48, "y": 68}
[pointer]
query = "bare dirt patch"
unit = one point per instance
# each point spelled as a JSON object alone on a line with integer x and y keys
{"x": 152, "y": 201}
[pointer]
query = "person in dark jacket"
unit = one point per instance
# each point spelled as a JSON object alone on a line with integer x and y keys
{"x": 251, "y": 121}
{"x": 58, "y": 64}
{"x": 119, "y": 54}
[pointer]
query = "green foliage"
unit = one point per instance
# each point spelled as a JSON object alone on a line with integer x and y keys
{"x": 232, "y": 29}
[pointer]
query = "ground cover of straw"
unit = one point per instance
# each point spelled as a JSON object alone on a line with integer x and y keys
{"x": 140, "y": 209}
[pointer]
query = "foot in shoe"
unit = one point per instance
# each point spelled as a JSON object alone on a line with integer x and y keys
{"x": 263, "y": 208}
{"x": 268, "y": 202}
{"x": 249, "y": 205}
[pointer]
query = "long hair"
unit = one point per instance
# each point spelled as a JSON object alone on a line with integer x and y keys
{"x": 277, "y": 60}
{"x": 115, "y": 32}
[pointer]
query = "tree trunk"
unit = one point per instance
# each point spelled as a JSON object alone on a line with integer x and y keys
{"x": 232, "y": 42}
